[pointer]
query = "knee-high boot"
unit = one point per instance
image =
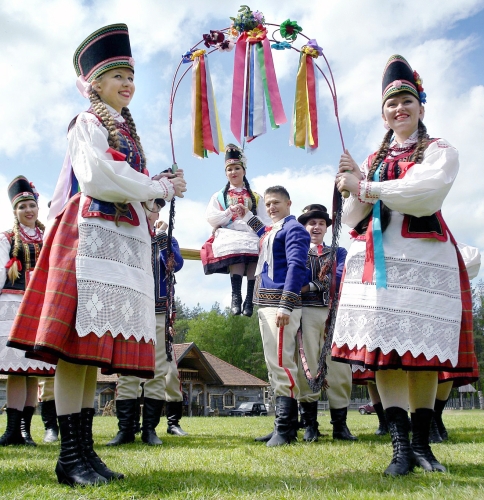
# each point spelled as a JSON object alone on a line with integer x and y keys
{"x": 382, "y": 421}
{"x": 49, "y": 417}
{"x": 236, "y": 281}
{"x": 126, "y": 414}
{"x": 12, "y": 434}
{"x": 87, "y": 446}
{"x": 438, "y": 410}
{"x": 285, "y": 430}
{"x": 420, "y": 440}
{"x": 248, "y": 307}
{"x": 151, "y": 418}
{"x": 25, "y": 424}
{"x": 340, "y": 429}
{"x": 174, "y": 412}
{"x": 72, "y": 468}
{"x": 309, "y": 420}
{"x": 403, "y": 460}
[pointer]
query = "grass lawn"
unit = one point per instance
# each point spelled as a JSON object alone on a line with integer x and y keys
{"x": 220, "y": 460}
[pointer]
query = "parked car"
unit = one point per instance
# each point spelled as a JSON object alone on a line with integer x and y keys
{"x": 249, "y": 409}
{"x": 366, "y": 409}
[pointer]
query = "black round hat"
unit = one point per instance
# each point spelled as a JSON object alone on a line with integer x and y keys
{"x": 314, "y": 211}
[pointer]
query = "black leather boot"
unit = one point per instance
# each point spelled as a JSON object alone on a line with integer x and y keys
{"x": 403, "y": 460}
{"x": 151, "y": 418}
{"x": 248, "y": 307}
{"x": 264, "y": 439}
{"x": 340, "y": 429}
{"x": 285, "y": 432}
{"x": 125, "y": 411}
{"x": 236, "y": 281}
{"x": 12, "y": 434}
{"x": 72, "y": 468}
{"x": 49, "y": 417}
{"x": 420, "y": 441}
{"x": 438, "y": 409}
{"x": 309, "y": 420}
{"x": 382, "y": 421}
{"x": 137, "y": 416}
{"x": 174, "y": 414}
{"x": 434, "y": 434}
{"x": 87, "y": 444}
{"x": 25, "y": 423}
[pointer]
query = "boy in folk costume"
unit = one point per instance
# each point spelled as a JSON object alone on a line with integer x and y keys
{"x": 280, "y": 275}
{"x": 315, "y": 300}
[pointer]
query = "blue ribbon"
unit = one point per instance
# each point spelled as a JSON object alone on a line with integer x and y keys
{"x": 380, "y": 270}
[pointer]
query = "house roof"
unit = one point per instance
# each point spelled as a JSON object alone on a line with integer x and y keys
{"x": 231, "y": 375}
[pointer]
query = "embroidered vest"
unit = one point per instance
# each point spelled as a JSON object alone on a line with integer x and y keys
{"x": 28, "y": 254}
{"x": 429, "y": 226}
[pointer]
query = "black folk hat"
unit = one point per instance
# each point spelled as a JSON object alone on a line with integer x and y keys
{"x": 20, "y": 189}
{"x": 314, "y": 211}
{"x": 234, "y": 154}
{"x": 398, "y": 77}
{"x": 105, "y": 49}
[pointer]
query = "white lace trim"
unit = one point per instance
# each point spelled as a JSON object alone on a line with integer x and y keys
{"x": 117, "y": 309}
{"x": 114, "y": 281}
{"x": 10, "y": 358}
{"x": 420, "y": 311}
{"x": 228, "y": 242}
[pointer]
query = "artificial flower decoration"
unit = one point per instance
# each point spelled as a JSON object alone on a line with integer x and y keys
{"x": 187, "y": 57}
{"x": 247, "y": 20}
{"x": 281, "y": 45}
{"x": 290, "y": 29}
{"x": 198, "y": 53}
{"x": 305, "y": 49}
{"x": 213, "y": 38}
{"x": 256, "y": 34}
{"x": 226, "y": 45}
{"x": 419, "y": 81}
{"x": 314, "y": 45}
{"x": 232, "y": 33}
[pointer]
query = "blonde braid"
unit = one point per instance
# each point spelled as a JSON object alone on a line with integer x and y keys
{"x": 126, "y": 114}
{"x": 40, "y": 225}
{"x": 380, "y": 156}
{"x": 13, "y": 272}
{"x": 422, "y": 143}
{"x": 106, "y": 118}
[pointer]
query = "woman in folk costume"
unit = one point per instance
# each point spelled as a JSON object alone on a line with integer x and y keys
{"x": 93, "y": 305}
{"x": 19, "y": 251}
{"x": 405, "y": 306}
{"x": 234, "y": 247}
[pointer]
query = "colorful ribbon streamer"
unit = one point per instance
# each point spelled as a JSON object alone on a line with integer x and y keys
{"x": 305, "y": 115}
{"x": 375, "y": 256}
{"x": 206, "y": 130}
{"x": 254, "y": 79}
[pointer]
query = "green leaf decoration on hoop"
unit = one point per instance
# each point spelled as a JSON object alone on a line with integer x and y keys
{"x": 290, "y": 29}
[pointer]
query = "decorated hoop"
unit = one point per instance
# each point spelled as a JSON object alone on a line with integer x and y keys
{"x": 255, "y": 89}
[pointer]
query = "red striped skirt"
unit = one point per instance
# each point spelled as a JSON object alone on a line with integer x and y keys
{"x": 45, "y": 323}
{"x": 466, "y": 363}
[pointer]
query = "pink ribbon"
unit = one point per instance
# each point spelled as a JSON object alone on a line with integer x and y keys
{"x": 84, "y": 87}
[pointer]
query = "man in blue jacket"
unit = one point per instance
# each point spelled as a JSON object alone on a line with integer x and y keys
{"x": 280, "y": 275}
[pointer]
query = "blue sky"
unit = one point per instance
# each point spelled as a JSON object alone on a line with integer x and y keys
{"x": 442, "y": 39}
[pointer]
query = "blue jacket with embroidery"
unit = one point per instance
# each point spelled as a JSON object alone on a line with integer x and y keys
{"x": 158, "y": 259}
{"x": 289, "y": 249}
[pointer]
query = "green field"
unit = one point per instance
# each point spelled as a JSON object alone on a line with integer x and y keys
{"x": 220, "y": 460}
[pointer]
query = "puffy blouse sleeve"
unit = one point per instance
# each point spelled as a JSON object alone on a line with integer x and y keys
{"x": 262, "y": 213}
{"x": 215, "y": 215}
{"x": 424, "y": 187}
{"x": 4, "y": 258}
{"x": 102, "y": 177}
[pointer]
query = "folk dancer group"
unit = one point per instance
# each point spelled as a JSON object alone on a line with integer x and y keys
{"x": 403, "y": 311}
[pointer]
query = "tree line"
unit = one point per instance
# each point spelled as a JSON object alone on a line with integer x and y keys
{"x": 237, "y": 340}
